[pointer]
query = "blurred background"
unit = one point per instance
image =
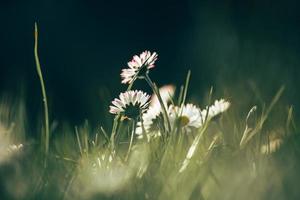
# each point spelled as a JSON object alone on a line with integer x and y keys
{"x": 234, "y": 46}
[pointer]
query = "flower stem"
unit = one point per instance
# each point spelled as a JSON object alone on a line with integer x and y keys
{"x": 130, "y": 86}
{"x": 39, "y": 71}
{"x": 156, "y": 91}
{"x": 113, "y": 133}
{"x": 131, "y": 139}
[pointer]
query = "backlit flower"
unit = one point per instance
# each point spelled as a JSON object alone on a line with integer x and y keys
{"x": 166, "y": 92}
{"x": 217, "y": 108}
{"x": 152, "y": 119}
{"x": 188, "y": 117}
{"x": 130, "y": 103}
{"x": 7, "y": 148}
{"x": 272, "y": 146}
{"x": 138, "y": 66}
{"x": 152, "y": 123}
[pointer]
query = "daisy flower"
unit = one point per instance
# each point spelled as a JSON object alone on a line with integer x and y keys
{"x": 217, "y": 108}
{"x": 188, "y": 117}
{"x": 152, "y": 123}
{"x": 13, "y": 148}
{"x": 152, "y": 119}
{"x": 138, "y": 66}
{"x": 166, "y": 92}
{"x": 7, "y": 148}
{"x": 272, "y": 146}
{"x": 274, "y": 141}
{"x": 130, "y": 104}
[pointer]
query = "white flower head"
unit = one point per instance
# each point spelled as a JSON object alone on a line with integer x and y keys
{"x": 217, "y": 108}
{"x": 166, "y": 92}
{"x": 13, "y": 148}
{"x": 138, "y": 66}
{"x": 152, "y": 119}
{"x": 188, "y": 117}
{"x": 152, "y": 123}
{"x": 272, "y": 146}
{"x": 7, "y": 148}
{"x": 130, "y": 104}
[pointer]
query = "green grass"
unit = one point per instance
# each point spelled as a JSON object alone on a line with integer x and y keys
{"x": 236, "y": 155}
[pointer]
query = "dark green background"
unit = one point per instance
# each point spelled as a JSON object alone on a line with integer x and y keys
{"x": 85, "y": 43}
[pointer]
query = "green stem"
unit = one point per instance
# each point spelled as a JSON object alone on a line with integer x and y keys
{"x": 156, "y": 91}
{"x": 113, "y": 134}
{"x": 131, "y": 139}
{"x": 130, "y": 86}
{"x": 145, "y": 138}
{"x": 39, "y": 71}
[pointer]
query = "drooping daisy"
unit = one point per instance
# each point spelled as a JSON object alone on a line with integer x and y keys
{"x": 217, "y": 108}
{"x": 130, "y": 103}
{"x": 153, "y": 120}
{"x": 138, "y": 66}
{"x": 152, "y": 123}
{"x": 188, "y": 117}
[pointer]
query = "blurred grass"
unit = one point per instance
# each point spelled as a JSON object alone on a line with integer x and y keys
{"x": 250, "y": 152}
{"x": 81, "y": 166}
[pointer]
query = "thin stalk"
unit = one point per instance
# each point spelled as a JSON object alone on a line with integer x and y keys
{"x": 156, "y": 91}
{"x": 193, "y": 148}
{"x": 180, "y": 95}
{"x": 184, "y": 92}
{"x": 145, "y": 138}
{"x": 39, "y": 71}
{"x": 113, "y": 133}
{"x": 131, "y": 139}
{"x": 187, "y": 81}
{"x": 78, "y": 140}
{"x": 130, "y": 85}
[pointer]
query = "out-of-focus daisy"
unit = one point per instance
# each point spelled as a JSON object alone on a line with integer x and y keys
{"x": 153, "y": 120}
{"x": 130, "y": 103}
{"x": 166, "y": 92}
{"x": 138, "y": 66}
{"x": 217, "y": 108}
{"x": 13, "y": 148}
{"x": 152, "y": 123}
{"x": 188, "y": 117}
{"x": 274, "y": 141}
{"x": 272, "y": 146}
{"x": 7, "y": 148}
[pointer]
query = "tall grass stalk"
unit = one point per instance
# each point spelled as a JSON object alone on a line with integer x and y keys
{"x": 131, "y": 139}
{"x": 43, "y": 88}
{"x": 156, "y": 92}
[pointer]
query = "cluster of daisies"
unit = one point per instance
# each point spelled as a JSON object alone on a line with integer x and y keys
{"x": 157, "y": 114}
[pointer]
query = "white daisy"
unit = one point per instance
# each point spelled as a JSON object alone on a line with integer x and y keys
{"x": 152, "y": 119}
{"x": 13, "y": 148}
{"x": 138, "y": 66}
{"x": 188, "y": 117}
{"x": 7, "y": 148}
{"x": 217, "y": 108}
{"x": 166, "y": 92}
{"x": 272, "y": 146}
{"x": 130, "y": 104}
{"x": 152, "y": 123}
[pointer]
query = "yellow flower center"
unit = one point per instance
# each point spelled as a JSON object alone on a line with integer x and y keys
{"x": 183, "y": 120}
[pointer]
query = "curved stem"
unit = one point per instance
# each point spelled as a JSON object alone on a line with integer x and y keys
{"x": 39, "y": 71}
{"x": 156, "y": 91}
